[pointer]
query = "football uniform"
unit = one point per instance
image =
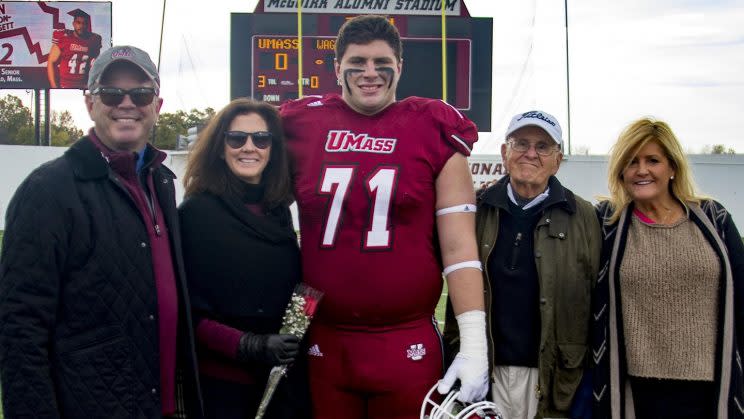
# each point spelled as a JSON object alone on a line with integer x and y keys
{"x": 76, "y": 57}
{"x": 365, "y": 188}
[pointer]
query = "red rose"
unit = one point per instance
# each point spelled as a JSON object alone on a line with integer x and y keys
{"x": 311, "y": 304}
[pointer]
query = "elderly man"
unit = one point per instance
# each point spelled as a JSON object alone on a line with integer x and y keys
{"x": 539, "y": 245}
{"x": 94, "y": 314}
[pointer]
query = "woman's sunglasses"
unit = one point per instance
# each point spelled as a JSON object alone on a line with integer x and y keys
{"x": 236, "y": 139}
{"x": 113, "y": 96}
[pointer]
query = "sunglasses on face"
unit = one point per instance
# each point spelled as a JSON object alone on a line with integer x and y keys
{"x": 236, "y": 139}
{"x": 113, "y": 96}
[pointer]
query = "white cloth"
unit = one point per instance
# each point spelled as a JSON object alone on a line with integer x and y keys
{"x": 470, "y": 365}
{"x": 515, "y": 390}
{"x": 535, "y": 201}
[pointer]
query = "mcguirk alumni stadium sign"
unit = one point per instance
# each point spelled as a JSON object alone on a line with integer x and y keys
{"x": 383, "y": 7}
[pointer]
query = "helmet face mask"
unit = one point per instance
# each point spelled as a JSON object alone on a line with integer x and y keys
{"x": 450, "y": 408}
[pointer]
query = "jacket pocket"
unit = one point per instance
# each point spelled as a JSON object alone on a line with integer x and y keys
{"x": 94, "y": 375}
{"x": 568, "y": 370}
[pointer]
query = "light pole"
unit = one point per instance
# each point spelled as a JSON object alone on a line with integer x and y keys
{"x": 568, "y": 83}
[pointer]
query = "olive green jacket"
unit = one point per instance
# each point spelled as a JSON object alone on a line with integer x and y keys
{"x": 567, "y": 251}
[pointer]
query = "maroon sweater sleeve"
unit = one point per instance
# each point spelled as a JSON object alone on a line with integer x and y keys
{"x": 218, "y": 337}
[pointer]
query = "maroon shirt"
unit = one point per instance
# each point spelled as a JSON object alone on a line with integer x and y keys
{"x": 365, "y": 186}
{"x": 124, "y": 165}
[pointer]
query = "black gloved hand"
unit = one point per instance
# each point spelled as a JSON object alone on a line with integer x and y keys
{"x": 268, "y": 349}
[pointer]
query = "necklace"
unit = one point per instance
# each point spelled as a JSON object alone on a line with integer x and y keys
{"x": 664, "y": 215}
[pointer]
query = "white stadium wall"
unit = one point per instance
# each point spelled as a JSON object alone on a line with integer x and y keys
{"x": 718, "y": 176}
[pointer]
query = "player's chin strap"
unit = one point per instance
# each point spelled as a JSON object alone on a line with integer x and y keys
{"x": 456, "y": 208}
{"x": 462, "y": 265}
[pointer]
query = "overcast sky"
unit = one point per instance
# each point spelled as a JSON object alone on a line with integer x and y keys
{"x": 678, "y": 60}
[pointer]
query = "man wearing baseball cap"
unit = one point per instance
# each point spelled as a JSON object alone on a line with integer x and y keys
{"x": 539, "y": 245}
{"x": 94, "y": 313}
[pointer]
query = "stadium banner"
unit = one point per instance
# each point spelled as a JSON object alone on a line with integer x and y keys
{"x": 51, "y": 44}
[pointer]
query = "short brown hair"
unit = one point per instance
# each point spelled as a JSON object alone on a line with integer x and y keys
{"x": 206, "y": 170}
{"x": 364, "y": 29}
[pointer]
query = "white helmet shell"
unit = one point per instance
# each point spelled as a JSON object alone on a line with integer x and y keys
{"x": 451, "y": 408}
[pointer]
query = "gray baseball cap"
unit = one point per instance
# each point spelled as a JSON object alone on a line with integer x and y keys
{"x": 115, "y": 54}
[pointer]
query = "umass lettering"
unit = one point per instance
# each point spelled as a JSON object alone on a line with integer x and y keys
{"x": 344, "y": 141}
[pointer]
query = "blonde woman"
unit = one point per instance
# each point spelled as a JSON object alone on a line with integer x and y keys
{"x": 668, "y": 311}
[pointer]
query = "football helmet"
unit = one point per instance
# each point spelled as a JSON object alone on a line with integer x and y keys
{"x": 451, "y": 408}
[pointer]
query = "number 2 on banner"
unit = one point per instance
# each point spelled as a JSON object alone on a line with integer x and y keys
{"x": 380, "y": 186}
{"x": 5, "y": 60}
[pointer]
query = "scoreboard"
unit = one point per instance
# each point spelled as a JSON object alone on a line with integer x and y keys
{"x": 264, "y": 59}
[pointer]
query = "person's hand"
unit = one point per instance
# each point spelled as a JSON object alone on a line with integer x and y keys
{"x": 268, "y": 349}
{"x": 471, "y": 363}
{"x": 473, "y": 376}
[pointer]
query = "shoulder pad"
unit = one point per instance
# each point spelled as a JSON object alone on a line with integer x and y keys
{"x": 57, "y": 34}
{"x": 310, "y": 101}
{"x": 455, "y": 128}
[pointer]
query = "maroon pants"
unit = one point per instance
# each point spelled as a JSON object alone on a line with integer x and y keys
{"x": 374, "y": 373}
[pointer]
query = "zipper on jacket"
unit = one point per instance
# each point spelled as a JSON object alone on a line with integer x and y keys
{"x": 515, "y": 252}
{"x": 151, "y": 204}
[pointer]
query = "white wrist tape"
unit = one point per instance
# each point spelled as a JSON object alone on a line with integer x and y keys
{"x": 467, "y": 264}
{"x": 456, "y": 208}
{"x": 473, "y": 334}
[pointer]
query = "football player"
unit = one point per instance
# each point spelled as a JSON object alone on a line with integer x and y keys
{"x": 72, "y": 53}
{"x": 386, "y": 207}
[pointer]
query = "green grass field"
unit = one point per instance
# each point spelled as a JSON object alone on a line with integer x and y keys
{"x": 441, "y": 306}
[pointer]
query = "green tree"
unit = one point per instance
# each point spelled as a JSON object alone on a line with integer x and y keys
{"x": 721, "y": 149}
{"x": 171, "y": 125}
{"x": 16, "y": 122}
{"x": 64, "y": 131}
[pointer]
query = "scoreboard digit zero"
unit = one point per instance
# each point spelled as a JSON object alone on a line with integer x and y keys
{"x": 264, "y": 59}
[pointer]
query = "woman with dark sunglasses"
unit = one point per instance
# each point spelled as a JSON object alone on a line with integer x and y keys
{"x": 242, "y": 262}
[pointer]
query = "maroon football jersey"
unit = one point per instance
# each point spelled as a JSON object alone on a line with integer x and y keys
{"x": 366, "y": 194}
{"x": 76, "y": 57}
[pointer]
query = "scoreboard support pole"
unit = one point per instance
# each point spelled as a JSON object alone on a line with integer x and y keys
{"x": 47, "y": 125}
{"x": 37, "y": 116}
{"x": 42, "y": 137}
{"x": 299, "y": 49}
{"x": 444, "y": 54}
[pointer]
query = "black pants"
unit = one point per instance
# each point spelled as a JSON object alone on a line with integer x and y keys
{"x": 227, "y": 400}
{"x": 678, "y": 399}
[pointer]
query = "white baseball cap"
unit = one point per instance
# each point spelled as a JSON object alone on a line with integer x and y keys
{"x": 539, "y": 119}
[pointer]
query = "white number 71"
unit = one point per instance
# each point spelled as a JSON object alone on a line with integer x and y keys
{"x": 380, "y": 186}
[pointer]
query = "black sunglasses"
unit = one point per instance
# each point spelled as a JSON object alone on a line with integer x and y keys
{"x": 236, "y": 139}
{"x": 113, "y": 96}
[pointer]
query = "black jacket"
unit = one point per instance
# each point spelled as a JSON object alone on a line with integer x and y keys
{"x": 78, "y": 308}
{"x": 242, "y": 269}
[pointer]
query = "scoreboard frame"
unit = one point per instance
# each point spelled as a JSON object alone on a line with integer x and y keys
{"x": 468, "y": 73}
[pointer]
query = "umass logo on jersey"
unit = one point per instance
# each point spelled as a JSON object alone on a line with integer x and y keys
{"x": 344, "y": 141}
